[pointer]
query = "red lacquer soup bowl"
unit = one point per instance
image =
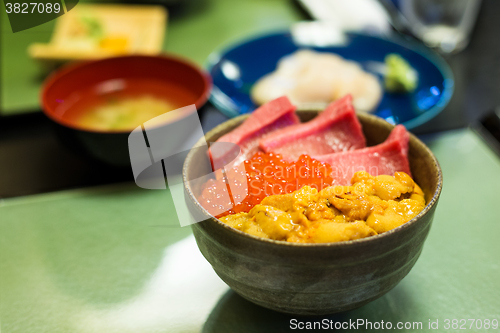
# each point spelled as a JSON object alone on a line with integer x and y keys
{"x": 75, "y": 89}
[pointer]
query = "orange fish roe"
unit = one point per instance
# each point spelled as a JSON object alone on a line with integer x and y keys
{"x": 266, "y": 174}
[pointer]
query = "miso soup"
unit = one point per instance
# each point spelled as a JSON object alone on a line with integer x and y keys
{"x": 124, "y": 104}
{"x": 125, "y": 113}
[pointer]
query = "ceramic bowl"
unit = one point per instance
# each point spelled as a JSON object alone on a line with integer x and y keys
{"x": 79, "y": 86}
{"x": 316, "y": 279}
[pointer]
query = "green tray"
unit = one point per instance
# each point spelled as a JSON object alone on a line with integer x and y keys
{"x": 113, "y": 259}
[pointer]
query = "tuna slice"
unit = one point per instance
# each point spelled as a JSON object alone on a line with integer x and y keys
{"x": 384, "y": 159}
{"x": 334, "y": 130}
{"x": 276, "y": 114}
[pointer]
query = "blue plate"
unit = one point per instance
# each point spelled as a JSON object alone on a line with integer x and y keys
{"x": 238, "y": 67}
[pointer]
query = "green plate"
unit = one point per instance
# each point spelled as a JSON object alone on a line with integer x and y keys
{"x": 113, "y": 259}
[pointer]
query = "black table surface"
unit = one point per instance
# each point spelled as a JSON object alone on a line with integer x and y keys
{"x": 33, "y": 160}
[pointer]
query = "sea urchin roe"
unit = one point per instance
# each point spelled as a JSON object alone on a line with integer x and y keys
{"x": 265, "y": 175}
{"x": 370, "y": 206}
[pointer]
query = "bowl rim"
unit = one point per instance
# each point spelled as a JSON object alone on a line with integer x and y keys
{"x": 410, "y": 223}
{"x": 71, "y": 67}
{"x": 219, "y": 98}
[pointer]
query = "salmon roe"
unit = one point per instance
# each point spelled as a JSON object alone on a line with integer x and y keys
{"x": 265, "y": 175}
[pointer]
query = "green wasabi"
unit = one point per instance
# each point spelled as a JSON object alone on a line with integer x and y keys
{"x": 400, "y": 76}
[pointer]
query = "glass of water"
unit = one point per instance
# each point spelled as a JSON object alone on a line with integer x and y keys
{"x": 442, "y": 24}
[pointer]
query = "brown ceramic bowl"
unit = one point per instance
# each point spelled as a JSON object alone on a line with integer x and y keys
{"x": 316, "y": 279}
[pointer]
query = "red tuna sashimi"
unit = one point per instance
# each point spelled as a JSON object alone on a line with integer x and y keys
{"x": 334, "y": 130}
{"x": 276, "y": 114}
{"x": 384, "y": 159}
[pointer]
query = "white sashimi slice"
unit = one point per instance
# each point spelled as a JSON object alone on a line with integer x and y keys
{"x": 309, "y": 77}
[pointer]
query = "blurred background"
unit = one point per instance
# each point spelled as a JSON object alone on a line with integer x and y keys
{"x": 34, "y": 160}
